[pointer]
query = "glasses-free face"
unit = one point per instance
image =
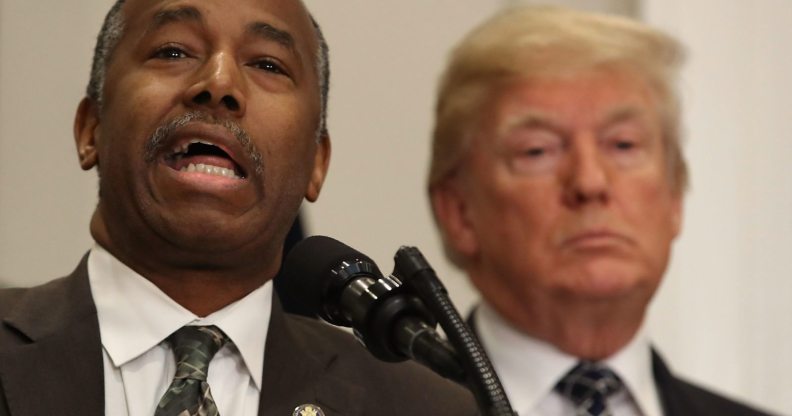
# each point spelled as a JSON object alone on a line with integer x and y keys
{"x": 206, "y": 141}
{"x": 564, "y": 195}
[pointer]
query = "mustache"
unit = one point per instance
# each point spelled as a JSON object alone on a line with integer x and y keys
{"x": 156, "y": 143}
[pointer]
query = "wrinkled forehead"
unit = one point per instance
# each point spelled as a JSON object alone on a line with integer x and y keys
{"x": 287, "y": 16}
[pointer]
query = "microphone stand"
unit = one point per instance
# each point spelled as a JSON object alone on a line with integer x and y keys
{"x": 416, "y": 273}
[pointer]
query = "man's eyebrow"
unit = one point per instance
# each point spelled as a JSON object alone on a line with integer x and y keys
{"x": 180, "y": 14}
{"x": 269, "y": 32}
{"x": 623, "y": 113}
{"x": 530, "y": 119}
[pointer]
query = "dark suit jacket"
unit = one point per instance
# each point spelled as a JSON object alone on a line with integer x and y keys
{"x": 51, "y": 363}
{"x": 680, "y": 398}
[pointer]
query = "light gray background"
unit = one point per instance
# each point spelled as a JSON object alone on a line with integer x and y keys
{"x": 723, "y": 314}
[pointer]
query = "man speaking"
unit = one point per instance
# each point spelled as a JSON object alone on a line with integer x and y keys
{"x": 205, "y": 120}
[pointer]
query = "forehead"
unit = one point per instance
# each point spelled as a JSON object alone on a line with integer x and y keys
{"x": 231, "y": 16}
{"x": 583, "y": 98}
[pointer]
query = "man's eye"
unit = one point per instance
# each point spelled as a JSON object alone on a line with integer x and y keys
{"x": 624, "y": 145}
{"x": 170, "y": 52}
{"x": 536, "y": 159}
{"x": 541, "y": 150}
{"x": 535, "y": 151}
{"x": 269, "y": 66}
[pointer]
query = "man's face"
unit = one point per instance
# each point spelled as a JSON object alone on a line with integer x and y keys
{"x": 564, "y": 193}
{"x": 229, "y": 91}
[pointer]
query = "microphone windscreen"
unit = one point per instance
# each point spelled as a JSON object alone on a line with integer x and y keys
{"x": 308, "y": 270}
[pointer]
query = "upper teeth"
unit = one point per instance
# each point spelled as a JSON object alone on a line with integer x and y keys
{"x": 210, "y": 170}
{"x": 183, "y": 148}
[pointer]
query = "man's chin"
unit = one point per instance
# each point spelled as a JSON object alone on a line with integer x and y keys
{"x": 607, "y": 282}
{"x": 208, "y": 236}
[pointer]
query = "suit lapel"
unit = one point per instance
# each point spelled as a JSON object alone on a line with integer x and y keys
{"x": 298, "y": 371}
{"x": 673, "y": 397}
{"x": 57, "y": 367}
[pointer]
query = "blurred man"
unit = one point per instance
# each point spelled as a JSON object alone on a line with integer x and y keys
{"x": 557, "y": 181}
{"x": 206, "y": 123}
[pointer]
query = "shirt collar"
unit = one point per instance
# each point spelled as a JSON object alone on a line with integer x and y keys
{"x": 530, "y": 368}
{"x": 633, "y": 364}
{"x": 135, "y": 315}
{"x": 527, "y": 367}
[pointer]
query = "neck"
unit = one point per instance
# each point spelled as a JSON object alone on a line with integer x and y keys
{"x": 588, "y": 333}
{"x": 198, "y": 283}
{"x": 204, "y": 293}
{"x": 591, "y": 329}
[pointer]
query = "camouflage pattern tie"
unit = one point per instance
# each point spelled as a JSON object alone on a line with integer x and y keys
{"x": 587, "y": 386}
{"x": 189, "y": 395}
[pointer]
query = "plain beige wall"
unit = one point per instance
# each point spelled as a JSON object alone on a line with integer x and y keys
{"x": 45, "y": 200}
{"x": 725, "y": 311}
{"x": 726, "y": 298}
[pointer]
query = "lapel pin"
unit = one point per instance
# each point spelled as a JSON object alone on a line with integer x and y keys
{"x": 308, "y": 410}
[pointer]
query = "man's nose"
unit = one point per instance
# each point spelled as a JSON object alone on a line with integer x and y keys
{"x": 218, "y": 87}
{"x": 587, "y": 177}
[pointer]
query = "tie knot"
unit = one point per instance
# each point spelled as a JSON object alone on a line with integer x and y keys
{"x": 193, "y": 347}
{"x": 588, "y": 385}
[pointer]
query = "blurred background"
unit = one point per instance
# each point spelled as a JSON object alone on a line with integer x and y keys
{"x": 723, "y": 316}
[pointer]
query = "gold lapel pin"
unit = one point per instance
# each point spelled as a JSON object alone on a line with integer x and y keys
{"x": 308, "y": 410}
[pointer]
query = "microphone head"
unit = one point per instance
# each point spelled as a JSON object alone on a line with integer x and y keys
{"x": 317, "y": 269}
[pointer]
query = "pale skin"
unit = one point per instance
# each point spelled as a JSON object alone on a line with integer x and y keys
{"x": 563, "y": 209}
{"x": 205, "y": 240}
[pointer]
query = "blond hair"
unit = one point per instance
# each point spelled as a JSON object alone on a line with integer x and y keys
{"x": 536, "y": 42}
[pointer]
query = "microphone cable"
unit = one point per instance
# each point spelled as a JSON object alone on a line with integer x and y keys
{"x": 416, "y": 273}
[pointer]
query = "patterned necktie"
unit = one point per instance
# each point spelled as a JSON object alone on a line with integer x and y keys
{"x": 189, "y": 395}
{"x": 587, "y": 386}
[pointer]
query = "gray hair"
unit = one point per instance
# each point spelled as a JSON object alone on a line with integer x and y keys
{"x": 113, "y": 29}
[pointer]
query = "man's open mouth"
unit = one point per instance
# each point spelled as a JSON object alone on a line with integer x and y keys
{"x": 201, "y": 156}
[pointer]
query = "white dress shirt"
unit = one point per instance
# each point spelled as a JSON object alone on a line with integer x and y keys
{"x": 135, "y": 317}
{"x": 529, "y": 370}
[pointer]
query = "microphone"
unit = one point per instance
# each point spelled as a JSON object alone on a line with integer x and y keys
{"x": 346, "y": 288}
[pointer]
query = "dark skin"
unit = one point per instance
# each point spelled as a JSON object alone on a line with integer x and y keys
{"x": 205, "y": 239}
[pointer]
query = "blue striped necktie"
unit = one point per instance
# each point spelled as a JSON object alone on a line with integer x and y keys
{"x": 588, "y": 385}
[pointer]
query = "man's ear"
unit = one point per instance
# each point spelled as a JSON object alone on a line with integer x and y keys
{"x": 86, "y": 122}
{"x": 451, "y": 212}
{"x": 320, "y": 165}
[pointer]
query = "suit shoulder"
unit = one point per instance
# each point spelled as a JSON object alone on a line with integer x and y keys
{"x": 711, "y": 403}
{"x": 53, "y": 293}
{"x": 681, "y": 397}
{"x": 407, "y": 386}
{"x": 25, "y": 312}
{"x": 9, "y": 298}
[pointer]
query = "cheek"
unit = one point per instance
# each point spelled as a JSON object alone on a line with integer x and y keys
{"x": 288, "y": 158}
{"x": 134, "y": 112}
{"x": 284, "y": 128}
{"x": 650, "y": 210}
{"x": 517, "y": 217}
{"x": 654, "y": 200}
{"x": 139, "y": 90}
